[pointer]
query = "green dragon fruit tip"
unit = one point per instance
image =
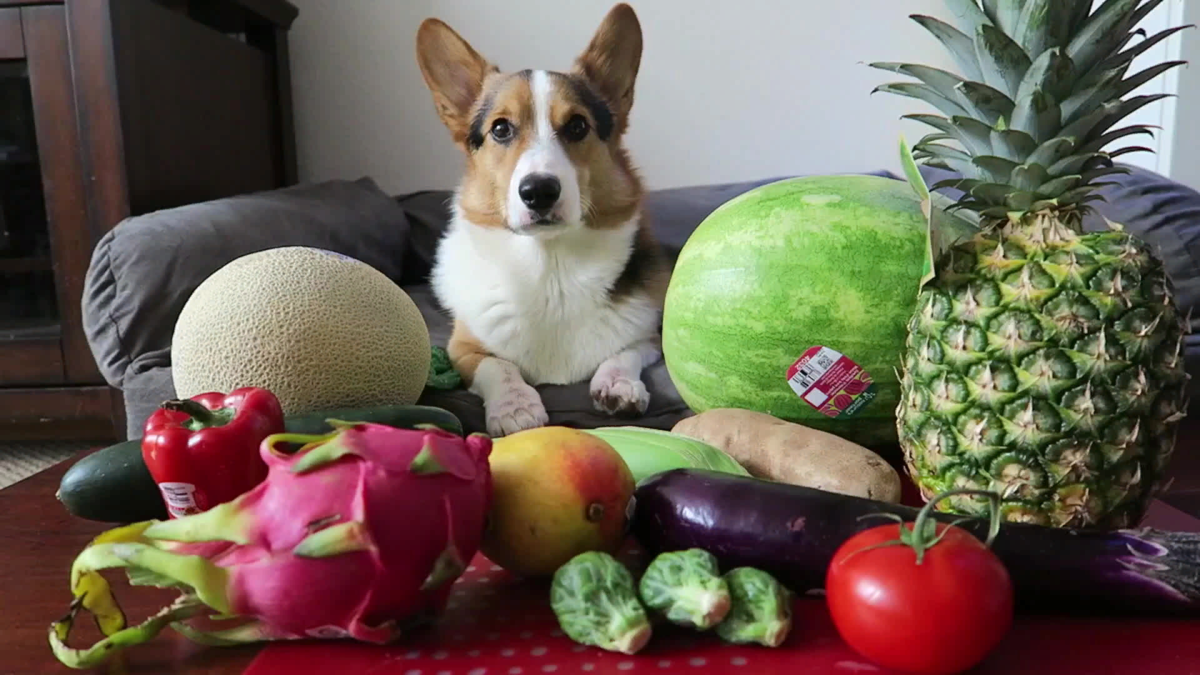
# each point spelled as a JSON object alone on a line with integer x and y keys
{"x": 224, "y": 522}
{"x": 425, "y": 463}
{"x": 346, "y": 537}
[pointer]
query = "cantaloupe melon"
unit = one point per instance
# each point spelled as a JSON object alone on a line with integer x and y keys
{"x": 319, "y": 329}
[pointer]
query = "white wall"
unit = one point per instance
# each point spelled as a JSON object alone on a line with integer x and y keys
{"x": 727, "y": 90}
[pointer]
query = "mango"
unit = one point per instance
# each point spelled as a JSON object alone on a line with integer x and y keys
{"x": 557, "y": 492}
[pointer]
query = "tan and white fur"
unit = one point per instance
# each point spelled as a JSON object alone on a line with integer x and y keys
{"x": 547, "y": 267}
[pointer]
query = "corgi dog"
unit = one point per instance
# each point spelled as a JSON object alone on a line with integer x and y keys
{"x": 547, "y": 267}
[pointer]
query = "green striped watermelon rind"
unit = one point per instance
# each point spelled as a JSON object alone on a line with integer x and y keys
{"x": 822, "y": 260}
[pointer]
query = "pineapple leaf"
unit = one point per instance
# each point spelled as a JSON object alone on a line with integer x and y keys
{"x": 1100, "y": 143}
{"x": 1135, "y": 81}
{"x": 995, "y": 212}
{"x": 1090, "y": 176}
{"x": 967, "y": 15}
{"x": 1142, "y": 12}
{"x": 938, "y": 79}
{"x": 955, "y": 159}
{"x": 1037, "y": 115}
{"x": 1083, "y": 126}
{"x": 1052, "y": 151}
{"x": 984, "y": 103}
{"x": 1074, "y": 164}
{"x": 1080, "y": 9}
{"x": 1019, "y": 201}
{"x": 1058, "y": 186}
{"x": 1051, "y": 73}
{"x": 1043, "y": 24}
{"x": 961, "y": 47}
{"x": 923, "y": 92}
{"x": 1128, "y": 151}
{"x": 997, "y": 169}
{"x": 1100, "y": 34}
{"x": 1029, "y": 177}
{"x": 1126, "y": 57}
{"x": 1073, "y": 196}
{"x": 1003, "y": 61}
{"x": 1087, "y": 99}
{"x": 991, "y": 193}
{"x": 933, "y": 138}
{"x": 1013, "y": 144}
{"x": 911, "y": 171}
{"x": 1122, "y": 110}
{"x": 973, "y": 135}
{"x": 963, "y": 184}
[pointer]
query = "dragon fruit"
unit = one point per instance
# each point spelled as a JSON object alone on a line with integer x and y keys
{"x": 358, "y": 534}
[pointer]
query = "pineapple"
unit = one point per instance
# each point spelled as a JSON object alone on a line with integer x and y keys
{"x": 1043, "y": 362}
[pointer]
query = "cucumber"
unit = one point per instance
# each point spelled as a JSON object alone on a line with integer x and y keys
{"x": 113, "y": 485}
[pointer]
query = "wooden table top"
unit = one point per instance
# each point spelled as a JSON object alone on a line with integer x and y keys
{"x": 40, "y": 540}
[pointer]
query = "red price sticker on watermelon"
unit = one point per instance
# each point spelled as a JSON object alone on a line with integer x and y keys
{"x": 830, "y": 382}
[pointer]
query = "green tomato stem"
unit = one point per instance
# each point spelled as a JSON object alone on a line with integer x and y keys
{"x": 918, "y": 537}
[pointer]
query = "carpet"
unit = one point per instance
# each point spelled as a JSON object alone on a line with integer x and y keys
{"x": 21, "y": 460}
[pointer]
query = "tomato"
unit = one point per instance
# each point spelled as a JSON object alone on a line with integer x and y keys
{"x": 936, "y": 614}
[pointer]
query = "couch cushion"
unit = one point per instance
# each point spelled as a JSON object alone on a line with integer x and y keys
{"x": 143, "y": 271}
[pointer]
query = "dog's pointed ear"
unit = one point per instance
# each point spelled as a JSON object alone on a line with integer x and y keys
{"x": 454, "y": 73}
{"x": 611, "y": 61}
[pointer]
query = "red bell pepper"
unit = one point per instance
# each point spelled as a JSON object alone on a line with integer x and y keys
{"x": 204, "y": 451}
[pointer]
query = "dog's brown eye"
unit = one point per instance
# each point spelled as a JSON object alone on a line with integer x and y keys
{"x": 502, "y": 131}
{"x": 576, "y": 128}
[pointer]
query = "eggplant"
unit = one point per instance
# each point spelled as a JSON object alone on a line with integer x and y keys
{"x": 793, "y": 532}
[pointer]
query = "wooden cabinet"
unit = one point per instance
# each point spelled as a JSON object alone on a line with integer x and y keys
{"x": 112, "y": 108}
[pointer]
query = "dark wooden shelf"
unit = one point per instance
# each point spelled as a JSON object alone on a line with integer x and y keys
{"x": 22, "y": 265}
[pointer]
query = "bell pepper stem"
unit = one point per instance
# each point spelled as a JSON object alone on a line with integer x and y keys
{"x": 194, "y": 409}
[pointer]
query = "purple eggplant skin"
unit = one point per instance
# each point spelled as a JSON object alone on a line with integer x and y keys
{"x": 792, "y": 532}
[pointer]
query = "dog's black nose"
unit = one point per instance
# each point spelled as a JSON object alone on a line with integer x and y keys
{"x": 540, "y": 192}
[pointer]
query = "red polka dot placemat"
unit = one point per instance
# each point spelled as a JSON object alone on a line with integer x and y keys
{"x": 498, "y": 625}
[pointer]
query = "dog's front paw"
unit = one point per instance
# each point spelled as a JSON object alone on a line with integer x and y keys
{"x": 619, "y": 396}
{"x": 518, "y": 408}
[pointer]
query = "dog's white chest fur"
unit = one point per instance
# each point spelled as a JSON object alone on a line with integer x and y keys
{"x": 543, "y": 304}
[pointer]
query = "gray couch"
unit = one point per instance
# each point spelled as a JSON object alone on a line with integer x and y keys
{"x": 143, "y": 271}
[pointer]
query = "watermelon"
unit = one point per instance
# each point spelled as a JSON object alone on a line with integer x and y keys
{"x": 792, "y": 299}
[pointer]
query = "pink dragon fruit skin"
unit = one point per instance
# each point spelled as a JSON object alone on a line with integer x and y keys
{"x": 358, "y": 534}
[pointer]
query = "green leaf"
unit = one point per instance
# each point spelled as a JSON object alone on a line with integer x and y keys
{"x": 1013, "y": 144}
{"x": 1074, "y": 196}
{"x": 1128, "y": 150}
{"x": 1091, "y": 176}
{"x": 923, "y": 92}
{"x": 1101, "y": 33}
{"x": 968, "y": 17}
{"x": 1037, "y": 115}
{"x": 1043, "y": 24}
{"x": 1080, "y": 9}
{"x": 991, "y": 193}
{"x": 961, "y": 47}
{"x": 1029, "y": 177}
{"x": 1003, "y": 61}
{"x": 1052, "y": 151}
{"x": 955, "y": 159}
{"x": 1051, "y": 72}
{"x": 996, "y": 169}
{"x": 1074, "y": 164}
{"x": 912, "y": 172}
{"x": 1053, "y": 188}
{"x": 1090, "y": 98}
{"x": 1125, "y": 58}
{"x": 1133, "y": 130}
{"x": 1083, "y": 126}
{"x": 972, "y": 134}
{"x": 1125, "y": 109}
{"x": 1005, "y": 14}
{"x": 941, "y": 81}
{"x": 1019, "y": 201}
{"x": 984, "y": 103}
{"x": 964, "y": 184}
{"x": 934, "y": 138}
{"x": 1135, "y": 81}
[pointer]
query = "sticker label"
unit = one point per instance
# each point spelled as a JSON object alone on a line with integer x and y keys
{"x": 830, "y": 382}
{"x": 180, "y": 499}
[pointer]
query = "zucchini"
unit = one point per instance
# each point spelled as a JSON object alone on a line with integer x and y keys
{"x": 113, "y": 485}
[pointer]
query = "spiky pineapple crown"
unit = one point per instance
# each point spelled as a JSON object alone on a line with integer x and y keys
{"x": 1043, "y": 86}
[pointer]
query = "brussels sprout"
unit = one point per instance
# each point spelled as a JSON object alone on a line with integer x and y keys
{"x": 594, "y": 598}
{"x": 687, "y": 588}
{"x": 761, "y": 612}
